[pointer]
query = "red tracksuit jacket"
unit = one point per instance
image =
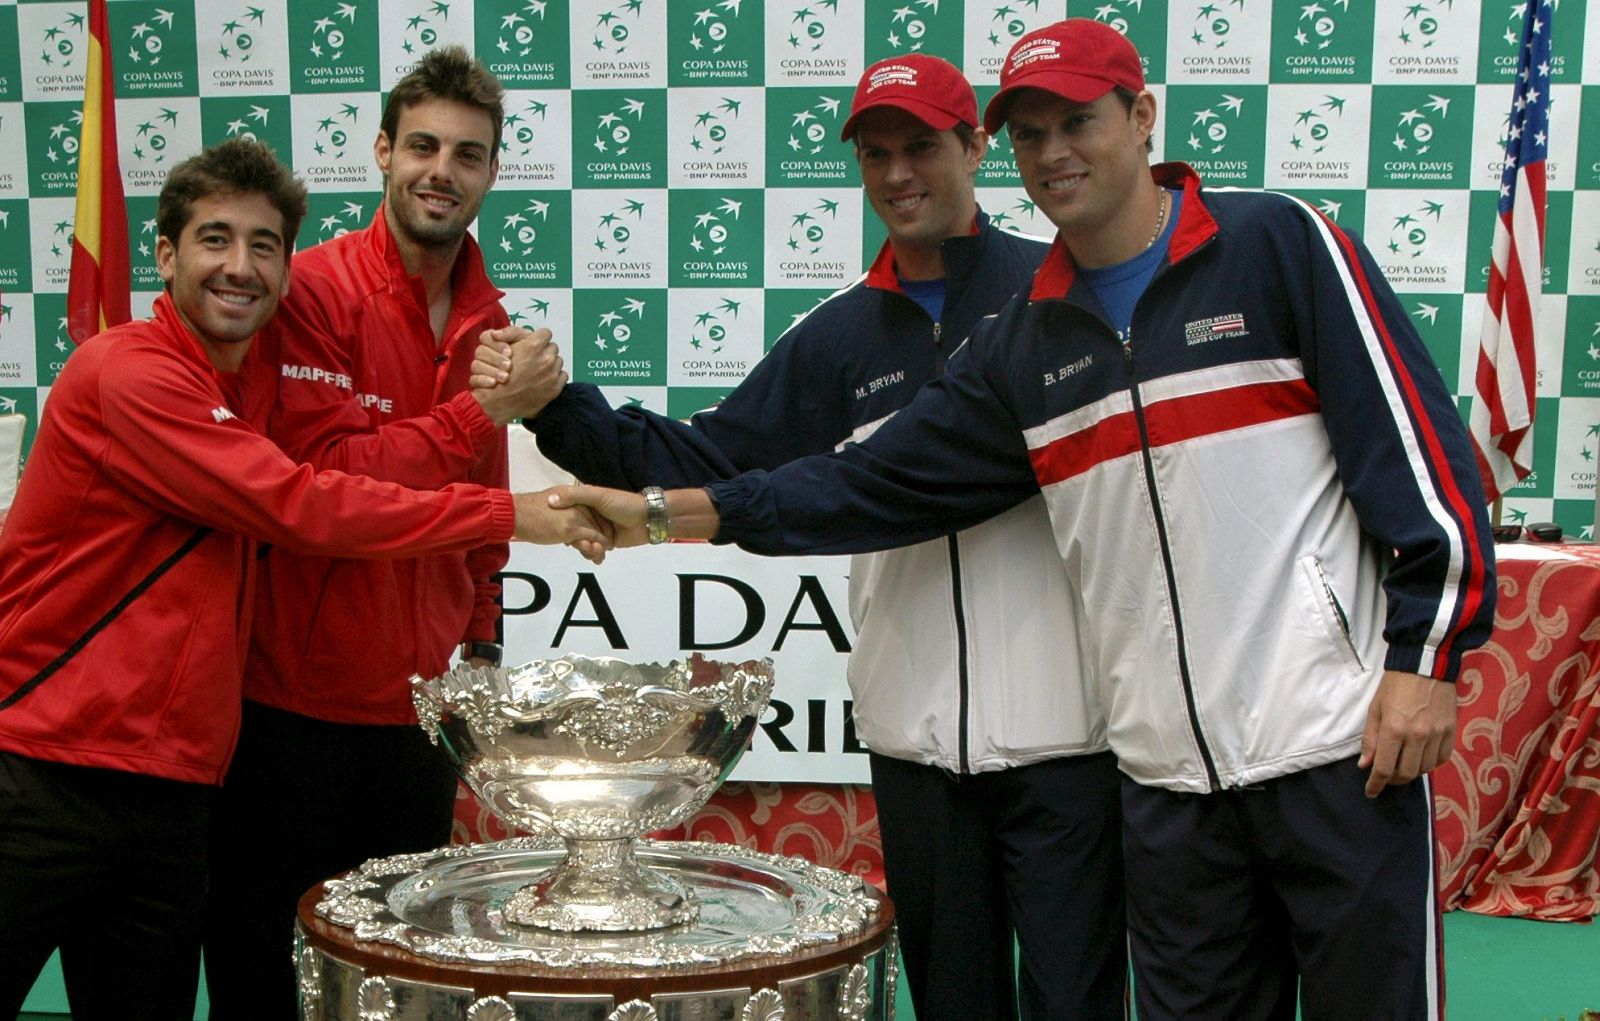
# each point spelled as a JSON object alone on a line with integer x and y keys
{"x": 365, "y": 389}
{"x": 142, "y": 441}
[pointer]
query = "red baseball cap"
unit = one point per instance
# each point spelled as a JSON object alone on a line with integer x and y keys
{"x": 1078, "y": 59}
{"x": 928, "y": 88}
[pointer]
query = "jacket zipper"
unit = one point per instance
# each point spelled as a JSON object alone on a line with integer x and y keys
{"x": 963, "y": 697}
{"x": 1214, "y": 782}
{"x": 1338, "y": 612}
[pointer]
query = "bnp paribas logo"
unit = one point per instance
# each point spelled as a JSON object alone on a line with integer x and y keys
{"x": 1145, "y": 29}
{"x": 710, "y": 333}
{"x": 709, "y": 136}
{"x": 156, "y": 133}
{"x": 53, "y": 131}
{"x": 615, "y": 228}
{"x": 716, "y": 238}
{"x": 1212, "y": 27}
{"x": 531, "y": 138}
{"x": 616, "y": 29}
{"x": 334, "y": 46}
{"x": 718, "y": 42}
{"x": 810, "y": 25}
{"x": 1421, "y": 23}
{"x": 1314, "y": 140}
{"x": 803, "y": 144}
{"x": 238, "y": 38}
{"x": 1322, "y": 40}
{"x": 16, "y": 267}
{"x": 623, "y": 137}
{"x": 620, "y": 336}
{"x": 62, "y": 42}
{"x": 912, "y": 26}
{"x": 1222, "y": 132}
{"x": 524, "y": 43}
{"x": 423, "y": 29}
{"x": 717, "y": 142}
{"x": 255, "y": 118}
{"x": 155, "y": 48}
{"x": 1410, "y": 231}
{"x": 1500, "y": 39}
{"x": 142, "y": 243}
{"x": 1421, "y": 136}
{"x": 809, "y": 227}
{"x": 333, "y": 134}
{"x": 1019, "y": 215}
{"x": 527, "y": 237}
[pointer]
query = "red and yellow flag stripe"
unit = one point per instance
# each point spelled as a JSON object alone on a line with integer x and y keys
{"x": 97, "y": 290}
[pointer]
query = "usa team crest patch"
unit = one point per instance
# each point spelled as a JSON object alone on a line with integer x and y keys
{"x": 1215, "y": 328}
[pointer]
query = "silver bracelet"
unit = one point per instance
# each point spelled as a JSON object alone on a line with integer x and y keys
{"x": 656, "y": 525}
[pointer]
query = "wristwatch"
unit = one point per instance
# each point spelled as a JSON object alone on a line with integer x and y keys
{"x": 494, "y": 652}
{"x": 656, "y": 526}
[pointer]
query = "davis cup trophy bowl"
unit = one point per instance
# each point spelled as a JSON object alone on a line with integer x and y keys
{"x": 598, "y": 752}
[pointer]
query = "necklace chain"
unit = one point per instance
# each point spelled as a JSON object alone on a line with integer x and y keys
{"x": 1161, "y": 218}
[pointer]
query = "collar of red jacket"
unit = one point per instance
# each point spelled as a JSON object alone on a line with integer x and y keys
{"x": 1194, "y": 227}
{"x": 881, "y": 273}
{"x": 469, "y": 280}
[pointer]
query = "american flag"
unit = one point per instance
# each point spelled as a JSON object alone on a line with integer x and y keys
{"x": 1502, "y": 409}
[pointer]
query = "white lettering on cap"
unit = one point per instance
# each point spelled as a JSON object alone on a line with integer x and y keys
{"x": 894, "y": 74}
{"x": 1039, "y": 49}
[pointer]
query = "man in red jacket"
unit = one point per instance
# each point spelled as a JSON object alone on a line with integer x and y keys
{"x": 126, "y": 566}
{"x": 332, "y": 768}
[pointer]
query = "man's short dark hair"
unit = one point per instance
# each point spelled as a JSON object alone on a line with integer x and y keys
{"x": 448, "y": 72}
{"x": 1127, "y": 96}
{"x": 237, "y": 165}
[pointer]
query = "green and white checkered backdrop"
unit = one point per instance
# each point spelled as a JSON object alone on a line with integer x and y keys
{"x": 672, "y": 192}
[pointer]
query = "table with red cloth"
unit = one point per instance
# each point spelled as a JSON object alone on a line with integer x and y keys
{"x": 1517, "y": 807}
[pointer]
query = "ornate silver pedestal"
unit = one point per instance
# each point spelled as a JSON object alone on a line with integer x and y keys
{"x": 425, "y": 936}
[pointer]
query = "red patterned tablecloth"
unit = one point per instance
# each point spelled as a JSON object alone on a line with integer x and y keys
{"x": 1517, "y": 807}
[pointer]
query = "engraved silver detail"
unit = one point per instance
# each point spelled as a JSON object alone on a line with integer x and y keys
{"x": 375, "y": 1000}
{"x": 765, "y": 1005}
{"x": 855, "y": 994}
{"x": 633, "y": 1010}
{"x": 491, "y": 1008}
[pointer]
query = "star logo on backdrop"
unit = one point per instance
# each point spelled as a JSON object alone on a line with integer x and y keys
{"x": 614, "y": 27}
{"x": 808, "y": 229}
{"x": 908, "y": 25}
{"x": 332, "y": 134}
{"x": 709, "y": 135}
{"x": 149, "y": 39}
{"x": 422, "y": 30}
{"x": 1312, "y": 127}
{"x": 519, "y": 131}
{"x": 709, "y": 333}
{"x": 613, "y": 332}
{"x": 1316, "y": 24}
{"x": 1415, "y": 133}
{"x": 613, "y": 135}
{"x": 808, "y": 132}
{"x": 328, "y": 38}
{"x": 59, "y": 49}
{"x": 711, "y": 227}
{"x": 237, "y": 42}
{"x": 519, "y": 231}
{"x": 709, "y": 34}
{"x": 808, "y": 25}
{"x": 517, "y": 30}
{"x": 1211, "y": 25}
{"x": 1408, "y": 235}
{"x": 612, "y": 233}
{"x": 1208, "y": 133}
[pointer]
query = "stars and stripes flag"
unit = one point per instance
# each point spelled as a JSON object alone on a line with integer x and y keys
{"x": 1503, "y": 405}
{"x": 97, "y": 289}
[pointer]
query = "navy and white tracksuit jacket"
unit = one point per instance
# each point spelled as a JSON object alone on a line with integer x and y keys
{"x": 1266, "y": 497}
{"x": 967, "y": 654}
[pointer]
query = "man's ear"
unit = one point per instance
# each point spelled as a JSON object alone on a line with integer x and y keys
{"x": 382, "y": 148}
{"x": 166, "y": 259}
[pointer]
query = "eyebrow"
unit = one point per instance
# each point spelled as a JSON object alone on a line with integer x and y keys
{"x": 469, "y": 143}
{"x": 227, "y": 228}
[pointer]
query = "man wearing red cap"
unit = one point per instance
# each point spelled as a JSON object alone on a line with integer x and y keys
{"x": 996, "y": 795}
{"x": 1261, "y": 487}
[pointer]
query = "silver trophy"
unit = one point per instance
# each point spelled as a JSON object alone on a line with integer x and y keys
{"x": 598, "y": 752}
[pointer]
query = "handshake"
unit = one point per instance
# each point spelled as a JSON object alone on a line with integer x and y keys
{"x": 515, "y": 373}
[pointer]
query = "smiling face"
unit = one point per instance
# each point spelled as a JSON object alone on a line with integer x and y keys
{"x": 437, "y": 169}
{"x": 1084, "y": 165}
{"x": 226, "y": 271}
{"x": 918, "y": 180}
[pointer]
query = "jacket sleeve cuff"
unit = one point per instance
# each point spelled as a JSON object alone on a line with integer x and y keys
{"x": 502, "y": 516}
{"x": 466, "y": 410}
{"x": 1427, "y": 661}
{"x": 744, "y": 509}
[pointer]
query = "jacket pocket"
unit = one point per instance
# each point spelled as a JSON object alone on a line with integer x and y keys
{"x": 1330, "y": 611}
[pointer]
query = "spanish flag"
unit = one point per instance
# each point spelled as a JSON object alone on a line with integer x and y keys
{"x": 97, "y": 290}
